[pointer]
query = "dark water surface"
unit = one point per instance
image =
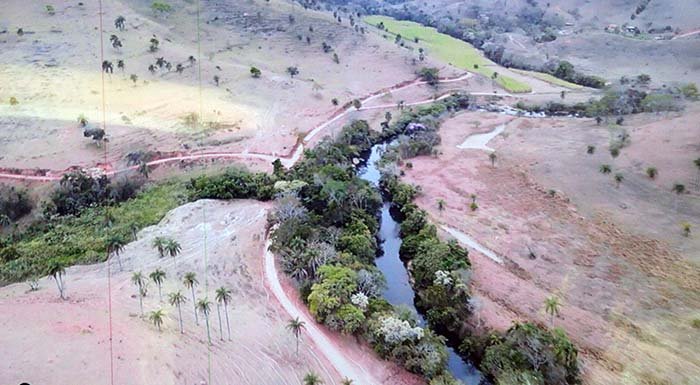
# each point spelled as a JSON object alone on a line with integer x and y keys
{"x": 398, "y": 288}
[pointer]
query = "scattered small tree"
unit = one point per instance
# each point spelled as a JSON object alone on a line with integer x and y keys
{"x": 119, "y": 22}
{"x": 177, "y": 299}
{"x": 605, "y": 169}
{"x": 58, "y": 271}
{"x": 190, "y": 282}
{"x": 590, "y": 149}
{"x": 679, "y": 188}
{"x": 295, "y": 326}
{"x": 134, "y": 78}
{"x": 652, "y": 172}
{"x": 223, "y": 297}
{"x": 255, "y": 72}
{"x": 156, "y": 317}
{"x": 492, "y": 158}
{"x": 158, "y": 276}
{"x": 551, "y": 307}
{"x": 140, "y": 282}
{"x": 50, "y": 10}
{"x": 430, "y": 75}
{"x": 312, "y": 378}
{"x": 685, "y": 226}
{"x": 357, "y": 104}
{"x": 154, "y": 44}
{"x": 293, "y": 71}
{"x": 216, "y": 80}
{"x": 204, "y": 306}
{"x": 618, "y": 179}
{"x": 441, "y": 204}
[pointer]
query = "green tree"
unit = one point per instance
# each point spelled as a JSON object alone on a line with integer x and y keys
{"x": 115, "y": 245}
{"x": 58, "y": 271}
{"x": 590, "y": 149}
{"x": 652, "y": 172}
{"x": 223, "y": 297}
{"x": 551, "y": 307}
{"x": 430, "y": 75}
{"x": 158, "y": 276}
{"x": 204, "y": 306}
{"x": 255, "y": 72}
{"x": 357, "y": 104}
{"x": 679, "y": 188}
{"x": 156, "y": 317}
{"x": 618, "y": 179}
{"x": 190, "y": 282}
{"x": 172, "y": 248}
{"x": 312, "y": 378}
{"x": 492, "y": 158}
{"x": 140, "y": 282}
{"x": 159, "y": 244}
{"x": 295, "y": 326}
{"x": 177, "y": 299}
{"x": 292, "y": 71}
{"x": 605, "y": 168}
{"x": 686, "y": 228}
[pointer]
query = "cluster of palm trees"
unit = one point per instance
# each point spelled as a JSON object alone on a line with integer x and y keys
{"x": 202, "y": 306}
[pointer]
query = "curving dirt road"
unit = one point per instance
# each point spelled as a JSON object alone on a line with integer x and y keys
{"x": 287, "y": 161}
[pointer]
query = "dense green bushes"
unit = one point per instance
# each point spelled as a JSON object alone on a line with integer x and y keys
{"x": 234, "y": 183}
{"x": 14, "y": 202}
{"x": 83, "y": 239}
{"x": 78, "y": 191}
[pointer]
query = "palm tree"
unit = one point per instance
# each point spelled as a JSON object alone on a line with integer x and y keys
{"x": 4, "y": 220}
{"x": 312, "y": 378}
{"x": 492, "y": 158}
{"x": 58, "y": 271}
{"x": 120, "y": 65}
{"x": 190, "y": 281}
{"x": 618, "y": 179}
{"x": 172, "y": 247}
{"x": 140, "y": 282}
{"x": 204, "y": 306}
{"x": 551, "y": 307}
{"x": 158, "y": 276}
{"x": 605, "y": 168}
{"x": 115, "y": 245}
{"x": 295, "y": 326}
{"x": 159, "y": 244}
{"x": 156, "y": 317}
{"x": 119, "y": 23}
{"x": 223, "y": 296}
{"x": 154, "y": 44}
{"x": 177, "y": 299}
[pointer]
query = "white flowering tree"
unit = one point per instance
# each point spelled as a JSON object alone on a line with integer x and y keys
{"x": 396, "y": 331}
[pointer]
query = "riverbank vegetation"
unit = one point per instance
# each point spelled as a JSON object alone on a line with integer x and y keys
{"x": 526, "y": 353}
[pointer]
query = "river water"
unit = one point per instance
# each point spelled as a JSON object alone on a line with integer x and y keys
{"x": 398, "y": 288}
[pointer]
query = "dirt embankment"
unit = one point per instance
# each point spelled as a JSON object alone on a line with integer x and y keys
{"x": 629, "y": 288}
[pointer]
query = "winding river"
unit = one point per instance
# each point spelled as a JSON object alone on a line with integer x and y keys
{"x": 398, "y": 289}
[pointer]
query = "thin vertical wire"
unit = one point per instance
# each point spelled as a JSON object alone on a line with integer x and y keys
{"x": 109, "y": 268}
{"x": 204, "y": 211}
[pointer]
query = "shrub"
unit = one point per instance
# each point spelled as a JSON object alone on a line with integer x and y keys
{"x": 234, "y": 183}
{"x": 14, "y": 202}
{"x": 78, "y": 190}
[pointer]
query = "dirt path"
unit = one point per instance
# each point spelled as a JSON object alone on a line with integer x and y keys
{"x": 330, "y": 350}
{"x": 689, "y": 33}
{"x": 288, "y": 160}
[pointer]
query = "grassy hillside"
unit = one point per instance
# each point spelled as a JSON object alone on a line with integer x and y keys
{"x": 454, "y": 51}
